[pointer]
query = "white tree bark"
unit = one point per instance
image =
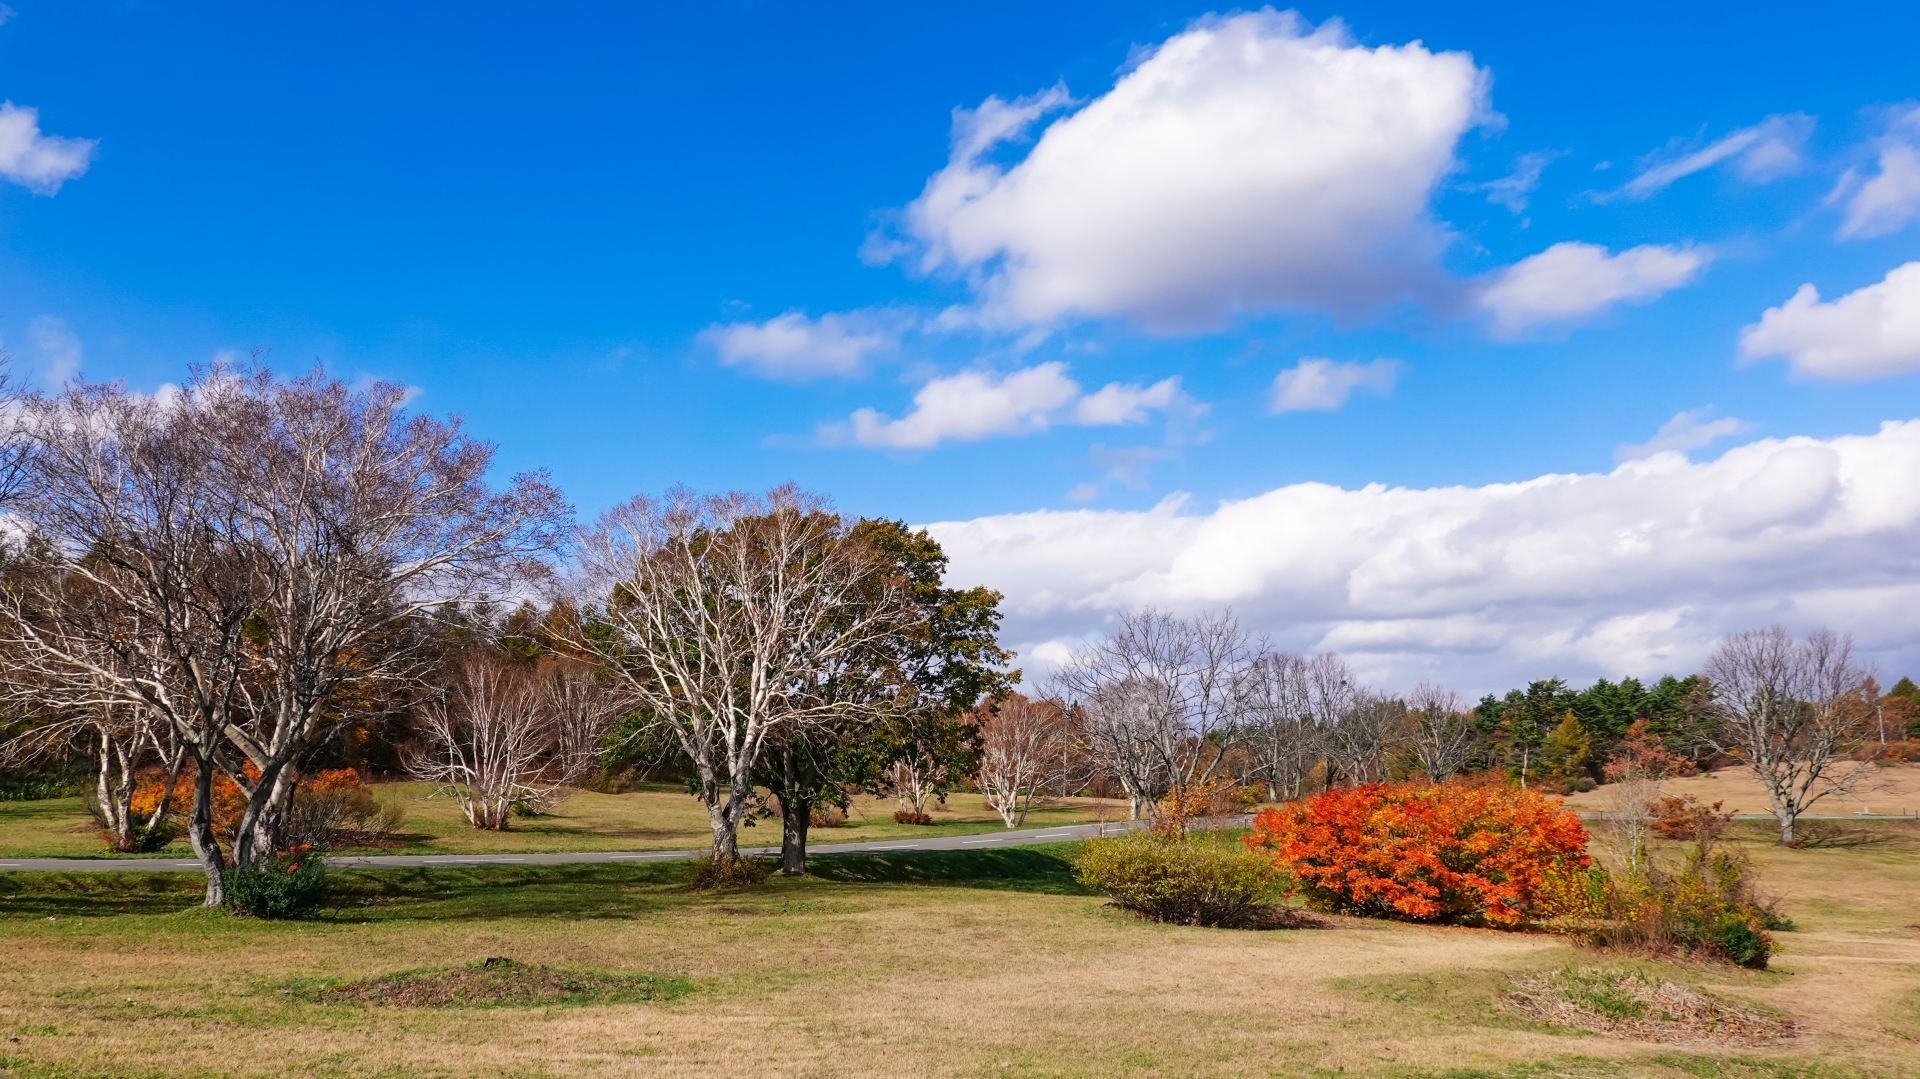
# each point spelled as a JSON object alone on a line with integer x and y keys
{"x": 1790, "y": 710}
{"x": 724, "y": 617}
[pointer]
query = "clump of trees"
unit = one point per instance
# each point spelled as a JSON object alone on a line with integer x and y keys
{"x": 244, "y": 564}
{"x": 776, "y": 644}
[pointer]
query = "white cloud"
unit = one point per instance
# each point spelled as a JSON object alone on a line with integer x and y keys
{"x": 6, "y": 13}
{"x": 56, "y": 348}
{"x": 1323, "y": 385}
{"x": 1763, "y": 152}
{"x": 1128, "y": 464}
{"x": 1890, "y": 200}
{"x": 1512, "y": 191}
{"x": 1248, "y": 163}
{"x": 1687, "y": 430}
{"x": 1081, "y": 492}
{"x": 973, "y": 405}
{"x": 1636, "y": 571}
{"x": 1572, "y": 281}
{"x": 39, "y": 163}
{"x": 1871, "y": 332}
{"x": 795, "y": 346}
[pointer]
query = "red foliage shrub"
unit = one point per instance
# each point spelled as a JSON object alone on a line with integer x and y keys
{"x": 1643, "y": 756}
{"x": 1470, "y": 855}
{"x": 1689, "y": 818}
{"x": 908, "y": 816}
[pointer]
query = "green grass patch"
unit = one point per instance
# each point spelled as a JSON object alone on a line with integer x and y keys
{"x": 492, "y": 983}
{"x": 1045, "y": 868}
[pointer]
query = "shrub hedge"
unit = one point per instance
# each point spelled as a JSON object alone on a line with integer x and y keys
{"x": 1186, "y": 880}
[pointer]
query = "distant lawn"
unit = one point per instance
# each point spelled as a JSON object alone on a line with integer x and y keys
{"x": 964, "y": 963}
{"x": 657, "y": 817}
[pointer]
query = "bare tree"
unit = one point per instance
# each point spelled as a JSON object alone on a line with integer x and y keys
{"x": 726, "y": 617}
{"x": 250, "y": 554}
{"x": 1022, "y": 745}
{"x": 1278, "y": 713}
{"x": 1160, "y": 700}
{"x": 506, "y": 735}
{"x": 1789, "y": 710}
{"x": 1441, "y": 731}
{"x": 1366, "y": 733}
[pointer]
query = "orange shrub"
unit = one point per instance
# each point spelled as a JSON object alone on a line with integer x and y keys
{"x": 1473, "y": 855}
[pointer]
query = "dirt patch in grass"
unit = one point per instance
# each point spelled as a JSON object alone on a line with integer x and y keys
{"x": 496, "y": 983}
{"x": 1643, "y": 1006}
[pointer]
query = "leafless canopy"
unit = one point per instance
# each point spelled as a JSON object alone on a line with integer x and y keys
{"x": 242, "y": 558}
{"x": 726, "y": 617}
{"x": 1790, "y": 710}
{"x": 1440, "y": 731}
{"x": 1023, "y": 747}
{"x": 1159, "y": 699}
{"x": 511, "y": 734}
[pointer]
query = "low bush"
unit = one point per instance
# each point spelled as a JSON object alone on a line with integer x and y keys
{"x": 1688, "y": 817}
{"x": 335, "y": 809}
{"x": 1185, "y": 880}
{"x": 908, "y": 816}
{"x": 288, "y": 887}
{"x": 1469, "y": 855}
{"x": 827, "y": 816}
{"x": 1708, "y": 909}
{"x": 729, "y": 874}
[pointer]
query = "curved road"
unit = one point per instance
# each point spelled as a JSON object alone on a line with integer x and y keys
{"x": 984, "y": 841}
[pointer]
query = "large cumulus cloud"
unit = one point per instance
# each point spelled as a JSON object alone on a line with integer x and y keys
{"x": 1634, "y": 571}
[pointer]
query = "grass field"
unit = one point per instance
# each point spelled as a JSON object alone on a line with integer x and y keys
{"x": 659, "y": 817}
{"x": 1885, "y": 789}
{"x": 950, "y": 964}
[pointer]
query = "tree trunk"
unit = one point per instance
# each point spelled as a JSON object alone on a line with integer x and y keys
{"x": 200, "y": 830}
{"x": 1786, "y": 819}
{"x": 166, "y": 789}
{"x": 796, "y": 815}
{"x": 254, "y": 839}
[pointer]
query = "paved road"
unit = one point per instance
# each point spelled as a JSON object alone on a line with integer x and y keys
{"x": 984, "y": 841}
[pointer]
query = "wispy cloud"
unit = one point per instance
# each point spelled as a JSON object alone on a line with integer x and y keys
{"x": 1322, "y": 385}
{"x": 40, "y": 163}
{"x": 1687, "y": 430}
{"x": 1572, "y": 281}
{"x": 974, "y": 405}
{"x": 1889, "y": 200}
{"x": 1512, "y": 190}
{"x": 1766, "y": 151}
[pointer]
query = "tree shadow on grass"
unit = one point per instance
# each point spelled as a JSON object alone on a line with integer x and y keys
{"x": 81, "y": 895}
{"x": 591, "y": 891}
{"x": 1044, "y": 870}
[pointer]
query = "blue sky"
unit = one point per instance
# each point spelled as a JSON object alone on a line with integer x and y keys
{"x": 642, "y": 246}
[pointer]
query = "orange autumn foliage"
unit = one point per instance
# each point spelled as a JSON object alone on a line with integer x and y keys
{"x": 229, "y": 801}
{"x": 1449, "y": 853}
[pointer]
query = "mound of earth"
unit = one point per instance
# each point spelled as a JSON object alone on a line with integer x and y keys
{"x": 1638, "y": 1005}
{"x": 499, "y": 982}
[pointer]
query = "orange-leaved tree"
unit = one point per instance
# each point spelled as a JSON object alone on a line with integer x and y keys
{"x": 1440, "y": 853}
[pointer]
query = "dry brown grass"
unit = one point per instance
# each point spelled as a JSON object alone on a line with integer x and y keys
{"x": 1888, "y": 789}
{"x": 857, "y": 978}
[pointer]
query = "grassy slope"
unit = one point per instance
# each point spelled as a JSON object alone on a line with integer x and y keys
{"x": 964, "y": 963}
{"x": 659, "y": 817}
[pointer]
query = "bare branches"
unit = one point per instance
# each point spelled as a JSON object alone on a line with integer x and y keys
{"x": 510, "y": 735}
{"x": 1789, "y": 711}
{"x": 1161, "y": 698}
{"x": 729, "y": 616}
{"x": 1022, "y": 748}
{"x": 1441, "y": 732}
{"x": 242, "y": 560}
